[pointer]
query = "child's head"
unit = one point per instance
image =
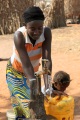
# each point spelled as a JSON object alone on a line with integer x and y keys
{"x": 61, "y": 80}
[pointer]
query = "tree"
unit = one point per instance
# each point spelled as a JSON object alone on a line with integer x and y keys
{"x": 11, "y": 14}
{"x": 56, "y": 16}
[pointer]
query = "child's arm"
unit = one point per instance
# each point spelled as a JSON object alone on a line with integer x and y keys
{"x": 54, "y": 92}
{"x": 58, "y": 93}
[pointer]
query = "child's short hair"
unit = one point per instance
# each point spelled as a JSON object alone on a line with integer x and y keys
{"x": 62, "y": 77}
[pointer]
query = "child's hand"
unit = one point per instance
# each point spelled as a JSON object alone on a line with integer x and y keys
{"x": 59, "y": 93}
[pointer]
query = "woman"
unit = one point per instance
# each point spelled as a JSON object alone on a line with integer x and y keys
{"x": 31, "y": 42}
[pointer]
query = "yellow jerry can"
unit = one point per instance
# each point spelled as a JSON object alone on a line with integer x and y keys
{"x": 62, "y": 109}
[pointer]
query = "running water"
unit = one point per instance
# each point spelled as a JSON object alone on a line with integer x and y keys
{"x": 50, "y": 85}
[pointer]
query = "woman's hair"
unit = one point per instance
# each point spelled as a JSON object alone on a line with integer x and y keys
{"x": 62, "y": 77}
{"x": 33, "y": 13}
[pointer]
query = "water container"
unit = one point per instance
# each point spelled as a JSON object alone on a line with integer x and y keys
{"x": 62, "y": 109}
{"x": 11, "y": 115}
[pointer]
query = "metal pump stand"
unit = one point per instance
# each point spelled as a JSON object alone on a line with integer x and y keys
{"x": 36, "y": 105}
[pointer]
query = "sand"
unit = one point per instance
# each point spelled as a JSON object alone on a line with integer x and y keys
{"x": 65, "y": 56}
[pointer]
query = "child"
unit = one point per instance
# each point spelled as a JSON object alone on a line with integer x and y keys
{"x": 53, "y": 105}
{"x": 61, "y": 81}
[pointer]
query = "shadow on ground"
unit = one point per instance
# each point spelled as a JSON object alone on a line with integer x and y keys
{"x": 4, "y": 107}
{"x": 77, "y": 106}
{"x": 3, "y": 116}
{"x": 4, "y": 59}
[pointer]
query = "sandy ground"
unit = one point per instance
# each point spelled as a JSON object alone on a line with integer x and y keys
{"x": 65, "y": 56}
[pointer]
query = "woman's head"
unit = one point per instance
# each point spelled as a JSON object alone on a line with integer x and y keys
{"x": 34, "y": 19}
{"x": 61, "y": 80}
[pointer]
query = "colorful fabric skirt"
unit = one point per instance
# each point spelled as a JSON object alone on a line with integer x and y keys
{"x": 19, "y": 88}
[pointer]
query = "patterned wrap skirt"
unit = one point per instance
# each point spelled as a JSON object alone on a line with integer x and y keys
{"x": 19, "y": 88}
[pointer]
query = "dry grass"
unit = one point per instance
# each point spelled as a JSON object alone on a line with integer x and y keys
{"x": 11, "y": 14}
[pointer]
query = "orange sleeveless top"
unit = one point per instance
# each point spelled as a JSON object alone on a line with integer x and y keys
{"x": 34, "y": 52}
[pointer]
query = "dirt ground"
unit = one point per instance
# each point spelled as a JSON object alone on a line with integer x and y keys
{"x": 65, "y": 56}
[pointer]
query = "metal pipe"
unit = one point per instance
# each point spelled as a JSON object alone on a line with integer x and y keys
{"x": 38, "y": 78}
{"x": 45, "y": 71}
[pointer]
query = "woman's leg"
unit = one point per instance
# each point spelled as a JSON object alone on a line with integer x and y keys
{"x": 20, "y": 91}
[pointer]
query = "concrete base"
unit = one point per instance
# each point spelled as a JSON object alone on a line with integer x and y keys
{"x": 11, "y": 115}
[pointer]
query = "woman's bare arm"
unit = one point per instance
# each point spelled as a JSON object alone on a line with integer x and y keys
{"x": 19, "y": 42}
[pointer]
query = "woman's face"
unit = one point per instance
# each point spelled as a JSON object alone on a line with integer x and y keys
{"x": 35, "y": 29}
